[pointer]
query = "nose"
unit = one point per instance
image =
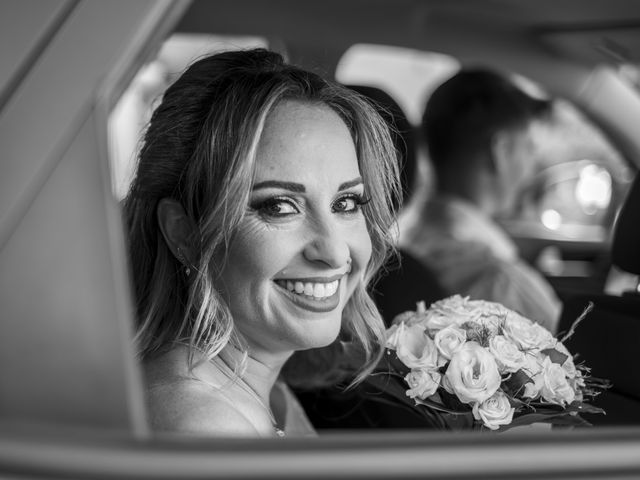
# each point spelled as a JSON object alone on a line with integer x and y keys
{"x": 328, "y": 245}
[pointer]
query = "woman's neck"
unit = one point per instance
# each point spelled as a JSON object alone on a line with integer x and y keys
{"x": 258, "y": 371}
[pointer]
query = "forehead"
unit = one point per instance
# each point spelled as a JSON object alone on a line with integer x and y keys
{"x": 302, "y": 139}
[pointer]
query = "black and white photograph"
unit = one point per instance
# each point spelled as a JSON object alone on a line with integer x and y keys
{"x": 303, "y": 239}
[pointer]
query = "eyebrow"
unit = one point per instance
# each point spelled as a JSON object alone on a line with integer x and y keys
{"x": 294, "y": 187}
{"x": 351, "y": 183}
{"x": 298, "y": 187}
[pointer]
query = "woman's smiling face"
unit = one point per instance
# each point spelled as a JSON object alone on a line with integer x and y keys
{"x": 303, "y": 246}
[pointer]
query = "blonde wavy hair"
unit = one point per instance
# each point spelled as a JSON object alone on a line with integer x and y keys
{"x": 200, "y": 149}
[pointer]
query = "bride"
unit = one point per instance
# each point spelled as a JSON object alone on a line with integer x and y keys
{"x": 260, "y": 210}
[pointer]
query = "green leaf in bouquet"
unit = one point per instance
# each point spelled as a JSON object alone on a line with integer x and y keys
{"x": 586, "y": 408}
{"x": 551, "y": 409}
{"x": 452, "y": 419}
{"x": 595, "y": 386}
{"x": 442, "y": 369}
{"x": 518, "y": 404}
{"x": 558, "y": 418}
{"x": 446, "y": 403}
{"x": 390, "y": 385}
{"x": 555, "y": 355}
{"x": 439, "y": 407}
{"x": 514, "y": 383}
{"x": 548, "y": 408}
{"x": 392, "y": 390}
{"x": 391, "y": 364}
{"x": 478, "y": 333}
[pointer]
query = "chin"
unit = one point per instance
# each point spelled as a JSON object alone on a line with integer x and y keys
{"x": 318, "y": 339}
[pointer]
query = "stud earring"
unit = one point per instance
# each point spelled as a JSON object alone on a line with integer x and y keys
{"x": 349, "y": 265}
{"x": 183, "y": 260}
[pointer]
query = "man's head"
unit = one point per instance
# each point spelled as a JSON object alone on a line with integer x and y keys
{"x": 479, "y": 130}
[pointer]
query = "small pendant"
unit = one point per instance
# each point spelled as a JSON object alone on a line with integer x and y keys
{"x": 279, "y": 432}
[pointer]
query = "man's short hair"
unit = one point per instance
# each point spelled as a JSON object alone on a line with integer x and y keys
{"x": 465, "y": 112}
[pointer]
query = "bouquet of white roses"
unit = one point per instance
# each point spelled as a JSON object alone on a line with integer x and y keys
{"x": 480, "y": 360}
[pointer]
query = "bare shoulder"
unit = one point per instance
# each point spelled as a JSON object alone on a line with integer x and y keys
{"x": 180, "y": 402}
{"x": 192, "y": 407}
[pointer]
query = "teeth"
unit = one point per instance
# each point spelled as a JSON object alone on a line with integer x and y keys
{"x": 311, "y": 289}
{"x": 308, "y": 289}
{"x": 318, "y": 290}
{"x": 331, "y": 288}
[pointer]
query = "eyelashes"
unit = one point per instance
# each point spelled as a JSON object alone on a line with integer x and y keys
{"x": 279, "y": 207}
{"x": 349, "y": 203}
{"x": 276, "y": 207}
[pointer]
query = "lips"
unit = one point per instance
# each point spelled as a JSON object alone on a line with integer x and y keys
{"x": 316, "y": 290}
{"x": 313, "y": 295}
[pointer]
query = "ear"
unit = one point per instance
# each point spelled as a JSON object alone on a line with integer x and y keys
{"x": 501, "y": 153}
{"x": 177, "y": 229}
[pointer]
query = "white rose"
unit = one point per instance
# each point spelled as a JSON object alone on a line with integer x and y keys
{"x": 490, "y": 312}
{"x": 411, "y": 318}
{"x": 555, "y": 387}
{"x": 449, "y": 340}
{"x": 533, "y": 367}
{"x": 436, "y": 321}
{"x": 490, "y": 315}
{"x": 531, "y": 390}
{"x": 393, "y": 335}
{"x": 508, "y": 357}
{"x": 569, "y": 368}
{"x": 577, "y": 384}
{"x": 457, "y": 310}
{"x": 568, "y": 365}
{"x": 413, "y": 346}
{"x": 579, "y": 379}
{"x": 423, "y": 383}
{"x": 494, "y": 411}
{"x": 526, "y": 334}
{"x": 533, "y": 363}
{"x": 473, "y": 373}
{"x": 453, "y": 310}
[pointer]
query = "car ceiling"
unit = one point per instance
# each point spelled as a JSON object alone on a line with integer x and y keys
{"x": 558, "y": 43}
{"x": 586, "y": 31}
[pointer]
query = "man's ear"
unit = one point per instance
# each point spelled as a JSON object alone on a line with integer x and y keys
{"x": 177, "y": 229}
{"x": 501, "y": 153}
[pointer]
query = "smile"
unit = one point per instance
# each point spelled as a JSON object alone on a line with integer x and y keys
{"x": 315, "y": 296}
{"x": 316, "y": 290}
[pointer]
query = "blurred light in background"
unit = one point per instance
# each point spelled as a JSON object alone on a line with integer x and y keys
{"x": 551, "y": 219}
{"x": 593, "y": 189}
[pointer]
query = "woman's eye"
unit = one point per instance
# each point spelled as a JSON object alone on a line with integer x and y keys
{"x": 348, "y": 204}
{"x": 277, "y": 207}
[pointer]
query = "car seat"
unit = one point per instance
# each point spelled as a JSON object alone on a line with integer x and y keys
{"x": 607, "y": 338}
{"x": 402, "y": 133}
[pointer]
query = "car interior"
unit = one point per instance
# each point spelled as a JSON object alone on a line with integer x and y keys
{"x": 78, "y": 80}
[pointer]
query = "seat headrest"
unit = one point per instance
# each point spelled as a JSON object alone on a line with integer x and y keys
{"x": 403, "y": 136}
{"x": 625, "y": 250}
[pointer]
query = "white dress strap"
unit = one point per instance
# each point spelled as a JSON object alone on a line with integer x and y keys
{"x": 296, "y": 423}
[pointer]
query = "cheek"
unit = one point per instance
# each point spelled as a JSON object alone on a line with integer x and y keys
{"x": 361, "y": 246}
{"x": 258, "y": 252}
{"x": 254, "y": 254}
